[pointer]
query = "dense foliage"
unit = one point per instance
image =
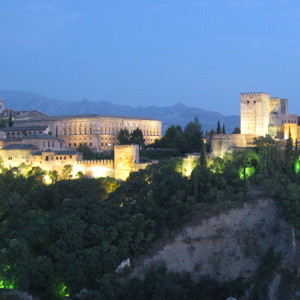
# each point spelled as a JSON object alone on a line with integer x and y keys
{"x": 135, "y": 137}
{"x": 72, "y": 234}
{"x": 58, "y": 239}
{"x": 184, "y": 141}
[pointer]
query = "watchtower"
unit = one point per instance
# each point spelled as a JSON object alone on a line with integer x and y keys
{"x": 255, "y": 112}
{"x": 125, "y": 158}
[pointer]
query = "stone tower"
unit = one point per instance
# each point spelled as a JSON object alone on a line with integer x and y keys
{"x": 125, "y": 158}
{"x": 255, "y": 112}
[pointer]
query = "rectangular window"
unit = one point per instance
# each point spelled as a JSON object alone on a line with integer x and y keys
{"x": 48, "y": 143}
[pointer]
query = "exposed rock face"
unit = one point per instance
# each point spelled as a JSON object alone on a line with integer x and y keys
{"x": 228, "y": 245}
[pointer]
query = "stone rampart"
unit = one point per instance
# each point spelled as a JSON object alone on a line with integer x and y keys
{"x": 221, "y": 143}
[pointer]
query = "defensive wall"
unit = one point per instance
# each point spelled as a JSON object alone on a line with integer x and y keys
{"x": 221, "y": 143}
{"x": 126, "y": 160}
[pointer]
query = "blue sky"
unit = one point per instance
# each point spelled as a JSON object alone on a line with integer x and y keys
{"x": 152, "y": 52}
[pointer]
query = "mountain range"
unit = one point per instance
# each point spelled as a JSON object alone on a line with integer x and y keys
{"x": 178, "y": 114}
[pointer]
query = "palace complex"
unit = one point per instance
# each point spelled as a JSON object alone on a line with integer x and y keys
{"x": 261, "y": 115}
{"x": 50, "y": 142}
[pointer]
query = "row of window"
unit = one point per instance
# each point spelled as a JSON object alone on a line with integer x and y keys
{"x": 289, "y": 121}
{"x": 106, "y": 131}
{"x": 79, "y": 144}
{"x": 49, "y": 144}
{"x": 58, "y": 157}
{"x": 18, "y": 134}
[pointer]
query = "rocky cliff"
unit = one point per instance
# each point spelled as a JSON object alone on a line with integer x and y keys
{"x": 230, "y": 245}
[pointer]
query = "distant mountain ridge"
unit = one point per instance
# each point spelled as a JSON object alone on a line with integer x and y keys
{"x": 178, "y": 114}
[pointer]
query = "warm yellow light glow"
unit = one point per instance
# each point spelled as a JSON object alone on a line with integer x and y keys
{"x": 76, "y": 169}
{"x": 100, "y": 171}
{"x": 47, "y": 179}
{"x": 187, "y": 165}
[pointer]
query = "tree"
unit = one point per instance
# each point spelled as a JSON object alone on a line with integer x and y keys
{"x": 67, "y": 172}
{"x": 219, "y": 131}
{"x": 85, "y": 150}
{"x": 171, "y": 140}
{"x": 223, "y": 129}
{"x": 10, "y": 120}
{"x": 53, "y": 175}
{"x": 137, "y": 138}
{"x": 270, "y": 156}
{"x": 288, "y": 152}
{"x": 37, "y": 173}
{"x": 192, "y": 137}
{"x": 124, "y": 137}
{"x": 203, "y": 154}
{"x": 236, "y": 130}
{"x": 4, "y": 123}
{"x": 296, "y": 158}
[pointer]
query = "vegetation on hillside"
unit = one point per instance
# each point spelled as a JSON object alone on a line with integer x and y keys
{"x": 58, "y": 239}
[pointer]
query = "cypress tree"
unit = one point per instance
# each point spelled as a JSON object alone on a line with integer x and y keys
{"x": 219, "y": 131}
{"x": 296, "y": 159}
{"x": 10, "y": 120}
{"x": 288, "y": 152}
{"x": 223, "y": 130}
{"x": 202, "y": 154}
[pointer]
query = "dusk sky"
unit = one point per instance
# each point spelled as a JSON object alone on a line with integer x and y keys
{"x": 152, "y": 52}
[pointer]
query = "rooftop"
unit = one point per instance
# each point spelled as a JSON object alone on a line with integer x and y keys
{"x": 21, "y": 114}
{"x": 20, "y": 147}
{"x": 88, "y": 116}
{"x": 40, "y": 136}
{"x": 24, "y": 128}
{"x": 59, "y": 152}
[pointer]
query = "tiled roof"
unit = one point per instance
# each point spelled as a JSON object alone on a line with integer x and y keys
{"x": 58, "y": 152}
{"x": 24, "y": 128}
{"x": 40, "y": 136}
{"x": 21, "y": 114}
{"x": 88, "y": 116}
{"x": 66, "y": 152}
{"x": 20, "y": 147}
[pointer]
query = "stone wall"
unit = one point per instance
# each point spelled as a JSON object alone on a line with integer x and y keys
{"x": 222, "y": 143}
{"x": 126, "y": 160}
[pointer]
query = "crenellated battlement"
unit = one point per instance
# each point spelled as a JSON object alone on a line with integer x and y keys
{"x": 253, "y": 95}
{"x": 123, "y": 146}
{"x": 96, "y": 162}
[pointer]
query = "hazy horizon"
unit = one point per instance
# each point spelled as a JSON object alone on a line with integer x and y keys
{"x": 159, "y": 53}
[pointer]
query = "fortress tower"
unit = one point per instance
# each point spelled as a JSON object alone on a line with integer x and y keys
{"x": 261, "y": 115}
{"x": 255, "y": 111}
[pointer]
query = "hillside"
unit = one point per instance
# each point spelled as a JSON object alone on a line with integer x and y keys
{"x": 178, "y": 114}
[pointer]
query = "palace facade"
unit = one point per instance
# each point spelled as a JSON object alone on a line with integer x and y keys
{"x": 99, "y": 132}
